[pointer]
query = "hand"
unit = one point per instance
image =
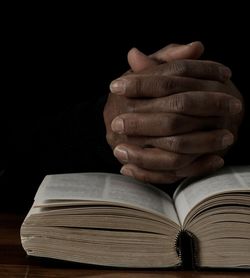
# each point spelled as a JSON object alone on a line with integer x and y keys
{"x": 177, "y": 153}
{"x": 175, "y": 156}
{"x": 138, "y": 61}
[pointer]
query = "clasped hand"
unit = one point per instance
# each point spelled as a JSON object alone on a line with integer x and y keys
{"x": 171, "y": 120}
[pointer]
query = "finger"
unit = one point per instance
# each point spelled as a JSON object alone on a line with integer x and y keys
{"x": 134, "y": 85}
{"x": 151, "y": 158}
{"x": 195, "y": 142}
{"x": 148, "y": 176}
{"x": 138, "y": 86}
{"x": 196, "y": 103}
{"x": 203, "y": 165}
{"x": 138, "y": 61}
{"x": 203, "y": 69}
{"x": 161, "y": 124}
{"x": 175, "y": 51}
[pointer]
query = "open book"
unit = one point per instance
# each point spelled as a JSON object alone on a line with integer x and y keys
{"x": 112, "y": 220}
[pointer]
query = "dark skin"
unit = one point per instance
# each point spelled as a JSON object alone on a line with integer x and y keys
{"x": 167, "y": 121}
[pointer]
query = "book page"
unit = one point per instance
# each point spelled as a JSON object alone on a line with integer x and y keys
{"x": 105, "y": 188}
{"x": 228, "y": 179}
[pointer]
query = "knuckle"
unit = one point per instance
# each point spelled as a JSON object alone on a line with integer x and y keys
{"x": 110, "y": 137}
{"x": 217, "y": 86}
{"x": 174, "y": 144}
{"x": 226, "y": 73}
{"x": 176, "y": 161}
{"x": 139, "y": 160}
{"x": 171, "y": 45}
{"x": 221, "y": 70}
{"x": 105, "y": 111}
{"x": 210, "y": 69}
{"x": 133, "y": 86}
{"x": 152, "y": 87}
{"x": 131, "y": 126}
{"x": 178, "y": 67}
{"x": 168, "y": 179}
{"x": 178, "y": 103}
{"x": 131, "y": 105}
{"x": 159, "y": 178}
{"x": 220, "y": 104}
{"x": 144, "y": 176}
{"x": 114, "y": 139}
{"x": 222, "y": 139}
{"x": 169, "y": 84}
{"x": 215, "y": 142}
{"x": 137, "y": 87}
{"x": 171, "y": 123}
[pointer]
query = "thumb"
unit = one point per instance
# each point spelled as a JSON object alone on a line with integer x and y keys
{"x": 139, "y": 61}
{"x": 179, "y": 51}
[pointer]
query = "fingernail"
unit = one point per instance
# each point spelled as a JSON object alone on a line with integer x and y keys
{"x": 126, "y": 172}
{"x": 118, "y": 86}
{"x": 121, "y": 153}
{"x": 138, "y": 51}
{"x": 227, "y": 140}
{"x": 235, "y": 106}
{"x": 195, "y": 42}
{"x": 217, "y": 162}
{"x": 225, "y": 72}
{"x": 118, "y": 125}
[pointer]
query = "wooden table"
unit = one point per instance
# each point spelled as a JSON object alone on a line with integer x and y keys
{"x": 14, "y": 263}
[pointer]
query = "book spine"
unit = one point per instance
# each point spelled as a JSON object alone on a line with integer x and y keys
{"x": 186, "y": 249}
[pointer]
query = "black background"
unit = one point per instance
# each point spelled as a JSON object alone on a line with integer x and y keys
{"x": 57, "y": 56}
